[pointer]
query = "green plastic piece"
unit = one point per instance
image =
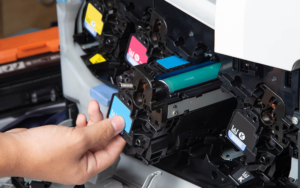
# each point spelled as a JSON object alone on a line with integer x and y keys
{"x": 193, "y": 77}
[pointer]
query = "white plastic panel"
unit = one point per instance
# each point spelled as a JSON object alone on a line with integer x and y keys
{"x": 294, "y": 169}
{"x": 265, "y": 32}
{"x": 202, "y": 10}
{"x": 135, "y": 172}
{"x": 77, "y": 79}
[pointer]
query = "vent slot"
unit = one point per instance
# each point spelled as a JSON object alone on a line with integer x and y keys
{"x": 288, "y": 79}
{"x": 156, "y": 155}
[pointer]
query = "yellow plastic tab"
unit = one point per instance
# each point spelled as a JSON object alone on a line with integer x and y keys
{"x": 94, "y": 18}
{"x": 97, "y": 59}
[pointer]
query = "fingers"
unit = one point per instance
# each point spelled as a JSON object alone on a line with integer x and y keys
{"x": 108, "y": 155}
{"x": 81, "y": 121}
{"x": 95, "y": 114}
{"x": 104, "y": 130}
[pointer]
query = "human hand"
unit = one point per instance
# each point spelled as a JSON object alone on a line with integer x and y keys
{"x": 67, "y": 155}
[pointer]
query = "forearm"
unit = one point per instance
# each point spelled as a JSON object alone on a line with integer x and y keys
{"x": 8, "y": 155}
{"x": 63, "y": 154}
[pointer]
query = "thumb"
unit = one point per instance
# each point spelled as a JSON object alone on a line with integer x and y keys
{"x": 16, "y": 130}
{"x": 104, "y": 130}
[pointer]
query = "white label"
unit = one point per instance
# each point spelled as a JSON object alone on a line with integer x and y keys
{"x": 112, "y": 113}
{"x": 93, "y": 23}
{"x": 242, "y": 136}
{"x": 243, "y": 177}
{"x": 234, "y": 130}
{"x": 12, "y": 67}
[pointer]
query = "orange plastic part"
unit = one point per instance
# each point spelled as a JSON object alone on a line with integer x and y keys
{"x": 14, "y": 48}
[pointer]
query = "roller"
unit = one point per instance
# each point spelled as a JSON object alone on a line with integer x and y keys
{"x": 191, "y": 78}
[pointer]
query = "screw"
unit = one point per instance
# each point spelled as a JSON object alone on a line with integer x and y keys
{"x": 175, "y": 106}
{"x": 263, "y": 159}
{"x": 208, "y": 54}
{"x": 273, "y": 131}
{"x": 53, "y": 95}
{"x": 175, "y": 113}
{"x": 274, "y": 79}
{"x": 108, "y": 41}
{"x": 292, "y": 180}
{"x": 222, "y": 179}
{"x": 295, "y": 120}
{"x": 138, "y": 142}
{"x": 191, "y": 33}
{"x": 34, "y": 97}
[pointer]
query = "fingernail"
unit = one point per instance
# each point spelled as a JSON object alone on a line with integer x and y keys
{"x": 118, "y": 123}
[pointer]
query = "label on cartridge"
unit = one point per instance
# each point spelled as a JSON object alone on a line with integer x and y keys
{"x": 29, "y": 64}
{"x": 97, "y": 59}
{"x": 242, "y": 176}
{"x": 136, "y": 54}
{"x": 242, "y": 132}
{"x": 93, "y": 20}
{"x": 119, "y": 109}
{"x": 236, "y": 140}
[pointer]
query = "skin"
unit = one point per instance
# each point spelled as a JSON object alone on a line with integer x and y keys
{"x": 66, "y": 155}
